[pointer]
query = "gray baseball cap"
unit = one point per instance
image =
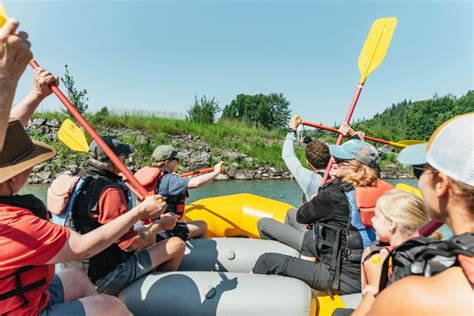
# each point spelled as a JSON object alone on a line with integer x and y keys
{"x": 356, "y": 149}
{"x": 167, "y": 152}
{"x": 119, "y": 148}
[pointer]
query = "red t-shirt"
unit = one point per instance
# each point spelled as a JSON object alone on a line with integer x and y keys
{"x": 112, "y": 204}
{"x": 26, "y": 239}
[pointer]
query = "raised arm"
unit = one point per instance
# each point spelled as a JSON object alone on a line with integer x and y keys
{"x": 41, "y": 81}
{"x": 204, "y": 179}
{"x": 14, "y": 57}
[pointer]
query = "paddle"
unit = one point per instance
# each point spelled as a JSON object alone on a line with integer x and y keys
{"x": 89, "y": 129}
{"x": 201, "y": 171}
{"x": 372, "y": 55}
{"x": 409, "y": 188}
{"x": 398, "y": 145}
{"x": 73, "y": 137}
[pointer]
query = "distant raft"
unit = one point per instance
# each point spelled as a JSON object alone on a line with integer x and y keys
{"x": 235, "y": 215}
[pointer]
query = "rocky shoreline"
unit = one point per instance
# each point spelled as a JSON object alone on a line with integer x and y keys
{"x": 200, "y": 155}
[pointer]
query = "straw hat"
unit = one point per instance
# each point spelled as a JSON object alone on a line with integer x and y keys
{"x": 21, "y": 153}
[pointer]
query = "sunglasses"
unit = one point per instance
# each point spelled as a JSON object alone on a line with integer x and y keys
{"x": 339, "y": 161}
{"x": 418, "y": 171}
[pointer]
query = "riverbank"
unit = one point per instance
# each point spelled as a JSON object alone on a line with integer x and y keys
{"x": 249, "y": 153}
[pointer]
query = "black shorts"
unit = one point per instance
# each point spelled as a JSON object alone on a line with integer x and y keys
{"x": 181, "y": 230}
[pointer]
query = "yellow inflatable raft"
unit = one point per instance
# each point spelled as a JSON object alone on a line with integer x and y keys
{"x": 238, "y": 214}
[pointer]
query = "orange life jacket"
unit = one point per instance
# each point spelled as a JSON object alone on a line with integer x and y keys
{"x": 149, "y": 177}
{"x": 366, "y": 198}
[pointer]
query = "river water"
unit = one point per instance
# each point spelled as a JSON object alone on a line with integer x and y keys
{"x": 283, "y": 190}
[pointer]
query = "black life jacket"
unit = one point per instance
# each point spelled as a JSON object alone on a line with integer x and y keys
{"x": 344, "y": 245}
{"x": 24, "y": 284}
{"x": 425, "y": 257}
{"x": 85, "y": 206}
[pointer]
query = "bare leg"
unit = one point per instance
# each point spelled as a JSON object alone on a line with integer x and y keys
{"x": 167, "y": 254}
{"x": 197, "y": 229}
{"x": 104, "y": 305}
{"x": 76, "y": 284}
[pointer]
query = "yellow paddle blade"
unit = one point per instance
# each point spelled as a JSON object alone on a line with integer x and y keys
{"x": 376, "y": 46}
{"x": 3, "y": 15}
{"x": 72, "y": 136}
{"x": 404, "y": 143}
{"x": 409, "y": 188}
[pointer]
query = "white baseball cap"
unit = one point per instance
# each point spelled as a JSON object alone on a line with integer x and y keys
{"x": 450, "y": 149}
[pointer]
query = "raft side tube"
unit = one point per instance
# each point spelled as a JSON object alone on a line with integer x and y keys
{"x": 229, "y": 254}
{"x": 236, "y": 214}
{"x": 213, "y": 293}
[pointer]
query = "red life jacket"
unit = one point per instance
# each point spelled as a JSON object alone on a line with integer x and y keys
{"x": 17, "y": 287}
{"x": 366, "y": 198}
{"x": 150, "y": 177}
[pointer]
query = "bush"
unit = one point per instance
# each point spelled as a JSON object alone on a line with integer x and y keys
{"x": 203, "y": 110}
{"x": 269, "y": 111}
{"x": 78, "y": 98}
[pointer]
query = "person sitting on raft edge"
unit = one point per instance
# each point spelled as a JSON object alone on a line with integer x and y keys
{"x": 291, "y": 233}
{"x": 341, "y": 217}
{"x": 102, "y": 198}
{"x": 160, "y": 178}
{"x": 435, "y": 277}
{"x": 31, "y": 244}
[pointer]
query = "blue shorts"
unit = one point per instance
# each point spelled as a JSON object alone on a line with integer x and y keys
{"x": 57, "y": 306}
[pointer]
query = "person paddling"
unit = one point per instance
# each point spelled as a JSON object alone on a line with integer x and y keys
{"x": 341, "y": 217}
{"x": 103, "y": 198}
{"x": 31, "y": 245}
{"x": 317, "y": 154}
{"x": 162, "y": 179}
{"x": 436, "y": 277}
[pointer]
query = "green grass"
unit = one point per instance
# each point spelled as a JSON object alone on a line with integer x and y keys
{"x": 261, "y": 144}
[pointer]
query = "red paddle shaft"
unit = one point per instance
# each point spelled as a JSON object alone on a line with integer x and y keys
{"x": 139, "y": 189}
{"x": 335, "y": 130}
{"x": 347, "y": 120}
{"x": 192, "y": 173}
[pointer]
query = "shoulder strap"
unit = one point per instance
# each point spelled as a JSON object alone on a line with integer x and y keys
{"x": 29, "y": 202}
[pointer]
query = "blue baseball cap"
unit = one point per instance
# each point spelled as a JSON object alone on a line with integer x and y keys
{"x": 356, "y": 149}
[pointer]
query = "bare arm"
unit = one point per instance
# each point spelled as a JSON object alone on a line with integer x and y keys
{"x": 79, "y": 247}
{"x": 14, "y": 57}
{"x": 204, "y": 179}
{"x": 448, "y": 293}
{"x": 41, "y": 81}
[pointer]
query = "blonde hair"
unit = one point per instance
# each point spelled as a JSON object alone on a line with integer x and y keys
{"x": 363, "y": 177}
{"x": 405, "y": 209}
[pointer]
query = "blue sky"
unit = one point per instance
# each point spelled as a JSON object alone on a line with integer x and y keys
{"x": 157, "y": 55}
